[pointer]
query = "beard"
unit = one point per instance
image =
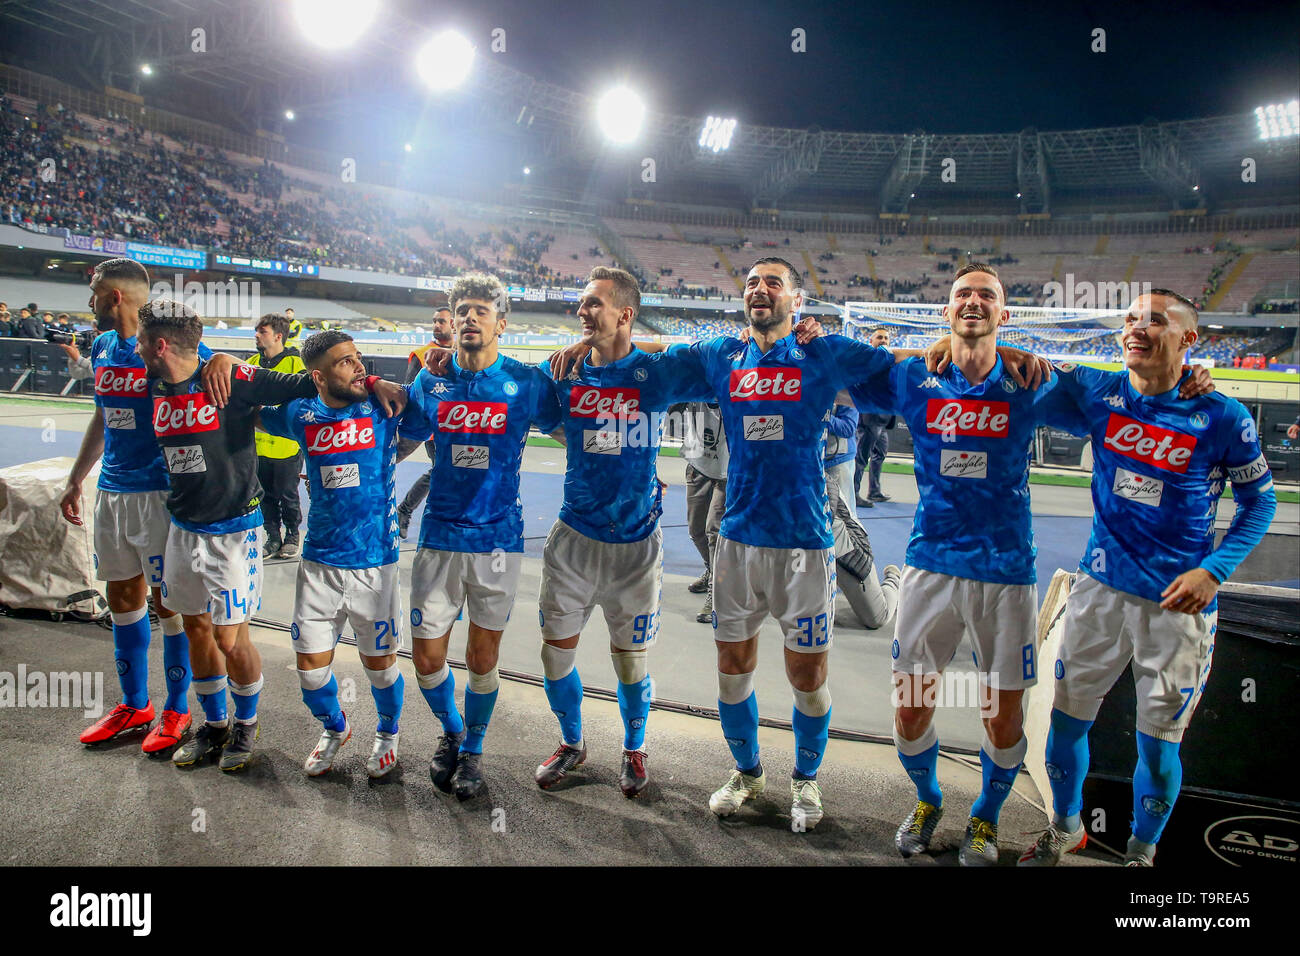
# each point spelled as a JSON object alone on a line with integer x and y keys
{"x": 346, "y": 393}
{"x": 765, "y": 323}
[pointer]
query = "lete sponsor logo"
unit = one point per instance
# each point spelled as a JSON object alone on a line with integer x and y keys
{"x": 764, "y": 427}
{"x": 963, "y": 416}
{"x": 963, "y": 464}
{"x": 332, "y": 438}
{"x": 585, "y": 402}
{"x": 469, "y": 456}
{"x": 114, "y": 382}
{"x": 1165, "y": 449}
{"x": 483, "y": 417}
{"x": 184, "y": 415}
{"x": 1140, "y": 488}
{"x": 766, "y": 384}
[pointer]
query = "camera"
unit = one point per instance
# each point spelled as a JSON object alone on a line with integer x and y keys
{"x": 81, "y": 339}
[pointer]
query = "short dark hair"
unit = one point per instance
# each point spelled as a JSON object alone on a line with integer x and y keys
{"x": 1191, "y": 307}
{"x": 278, "y": 323}
{"x": 796, "y": 280}
{"x": 314, "y": 349}
{"x": 122, "y": 270}
{"x": 442, "y": 308}
{"x": 627, "y": 291}
{"x": 63, "y": 316}
{"x": 173, "y": 321}
{"x": 479, "y": 285}
{"x": 289, "y": 309}
{"x": 981, "y": 267}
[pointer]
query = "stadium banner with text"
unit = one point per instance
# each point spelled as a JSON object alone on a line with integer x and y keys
{"x": 227, "y": 262}
{"x": 172, "y": 256}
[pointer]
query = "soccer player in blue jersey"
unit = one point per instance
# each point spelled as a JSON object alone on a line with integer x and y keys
{"x": 471, "y": 544}
{"x": 606, "y": 548}
{"x": 348, "y": 574}
{"x": 1148, "y": 578}
{"x": 775, "y": 551}
{"x": 131, "y": 519}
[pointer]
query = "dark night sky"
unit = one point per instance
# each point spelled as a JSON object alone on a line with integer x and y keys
{"x": 891, "y": 66}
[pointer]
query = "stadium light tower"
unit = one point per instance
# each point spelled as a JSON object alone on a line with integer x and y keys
{"x": 620, "y": 113}
{"x": 334, "y": 24}
{"x": 289, "y": 115}
{"x": 716, "y": 134}
{"x": 146, "y": 69}
{"x": 445, "y": 60}
{"x": 1278, "y": 120}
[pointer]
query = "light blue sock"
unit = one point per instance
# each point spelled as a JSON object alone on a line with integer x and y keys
{"x": 480, "y": 699}
{"x": 923, "y": 768}
{"x": 1156, "y": 782}
{"x": 211, "y": 692}
{"x": 997, "y": 779}
{"x": 323, "y": 702}
{"x": 634, "y": 705}
{"x": 131, "y": 656}
{"x": 176, "y": 664}
{"x": 246, "y": 696}
{"x": 388, "y": 702}
{"x": 565, "y": 698}
{"x": 439, "y": 692}
{"x": 1067, "y": 766}
{"x": 810, "y": 735}
{"x": 740, "y": 728}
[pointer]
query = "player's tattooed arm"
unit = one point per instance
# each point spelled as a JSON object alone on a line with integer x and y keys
{"x": 1191, "y": 592}
{"x": 389, "y": 396}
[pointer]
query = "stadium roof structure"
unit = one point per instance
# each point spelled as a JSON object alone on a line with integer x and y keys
{"x": 250, "y": 73}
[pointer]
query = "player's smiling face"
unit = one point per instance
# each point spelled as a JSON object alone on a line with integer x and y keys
{"x": 975, "y": 307}
{"x": 477, "y": 323}
{"x": 770, "y": 297}
{"x": 342, "y": 373}
{"x": 1158, "y": 329}
{"x": 599, "y": 315}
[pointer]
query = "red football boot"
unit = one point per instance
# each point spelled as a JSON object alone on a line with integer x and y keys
{"x": 167, "y": 733}
{"x": 121, "y": 718}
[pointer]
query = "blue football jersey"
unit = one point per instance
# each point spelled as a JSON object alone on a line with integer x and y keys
{"x": 972, "y": 446}
{"x": 133, "y": 459}
{"x": 351, "y": 459}
{"x": 613, "y": 419}
{"x": 1159, "y": 467}
{"x": 773, "y": 409}
{"x": 479, "y": 423}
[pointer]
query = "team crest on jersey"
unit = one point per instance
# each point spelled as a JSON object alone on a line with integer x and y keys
{"x": 119, "y": 418}
{"x": 1199, "y": 420}
{"x": 510, "y": 388}
{"x": 640, "y": 375}
{"x": 416, "y": 617}
{"x": 186, "y": 461}
{"x": 1008, "y": 385}
{"x": 347, "y": 475}
{"x": 797, "y": 353}
{"x": 931, "y": 383}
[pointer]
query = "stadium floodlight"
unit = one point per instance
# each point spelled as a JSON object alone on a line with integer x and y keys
{"x": 408, "y": 147}
{"x": 716, "y": 134}
{"x": 334, "y": 24}
{"x": 528, "y": 171}
{"x": 1278, "y": 120}
{"x": 146, "y": 69}
{"x": 620, "y": 113}
{"x": 445, "y": 60}
{"x": 288, "y": 114}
